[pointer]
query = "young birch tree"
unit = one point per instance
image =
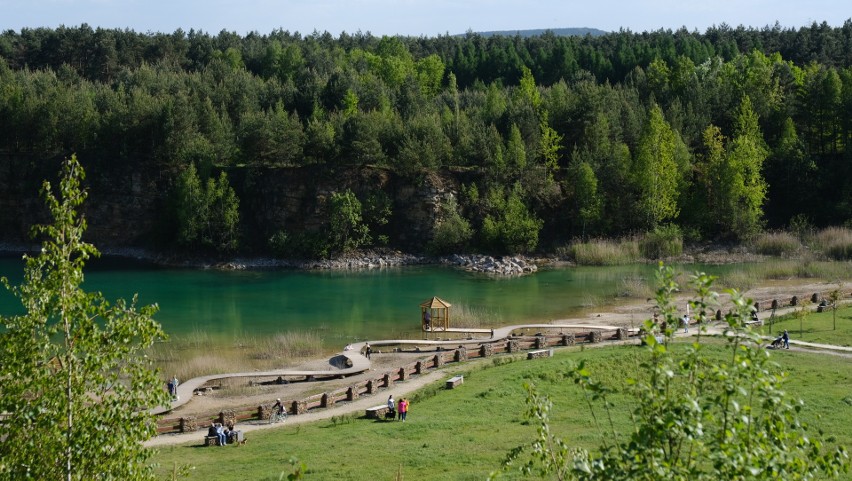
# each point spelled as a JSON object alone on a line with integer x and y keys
{"x": 75, "y": 385}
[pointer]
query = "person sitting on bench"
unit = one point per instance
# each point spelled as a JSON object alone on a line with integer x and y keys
{"x": 220, "y": 433}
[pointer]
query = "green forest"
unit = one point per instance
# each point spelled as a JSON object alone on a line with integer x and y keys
{"x": 545, "y": 139}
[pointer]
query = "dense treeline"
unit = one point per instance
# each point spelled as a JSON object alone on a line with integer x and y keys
{"x": 715, "y": 135}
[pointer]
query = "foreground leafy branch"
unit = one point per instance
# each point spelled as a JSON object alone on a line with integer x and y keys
{"x": 76, "y": 387}
{"x": 694, "y": 418}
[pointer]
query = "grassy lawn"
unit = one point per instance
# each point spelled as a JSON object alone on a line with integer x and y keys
{"x": 463, "y": 434}
{"x": 816, "y": 327}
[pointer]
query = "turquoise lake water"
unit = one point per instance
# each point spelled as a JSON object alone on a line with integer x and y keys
{"x": 341, "y": 306}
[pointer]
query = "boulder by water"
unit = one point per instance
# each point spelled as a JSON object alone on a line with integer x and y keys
{"x": 498, "y": 266}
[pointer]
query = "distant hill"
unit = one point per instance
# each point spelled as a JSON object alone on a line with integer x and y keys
{"x": 559, "y": 32}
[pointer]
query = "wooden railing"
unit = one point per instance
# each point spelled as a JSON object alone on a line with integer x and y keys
{"x": 432, "y": 360}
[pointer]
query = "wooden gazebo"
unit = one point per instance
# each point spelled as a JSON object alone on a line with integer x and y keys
{"x": 435, "y": 315}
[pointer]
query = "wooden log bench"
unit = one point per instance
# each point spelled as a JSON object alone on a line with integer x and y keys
{"x": 540, "y": 353}
{"x": 377, "y": 412}
{"x": 454, "y": 381}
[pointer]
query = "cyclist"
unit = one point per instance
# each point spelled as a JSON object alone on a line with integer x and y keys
{"x": 278, "y": 410}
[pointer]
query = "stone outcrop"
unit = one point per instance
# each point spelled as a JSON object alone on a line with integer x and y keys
{"x": 500, "y": 266}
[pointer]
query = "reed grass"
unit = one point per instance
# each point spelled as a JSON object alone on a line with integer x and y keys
{"x": 590, "y": 300}
{"x": 777, "y": 244}
{"x": 604, "y": 252}
{"x": 635, "y": 288}
{"x": 740, "y": 279}
{"x": 464, "y": 315}
{"x": 834, "y": 242}
{"x": 198, "y": 354}
{"x": 289, "y": 345}
{"x": 827, "y": 270}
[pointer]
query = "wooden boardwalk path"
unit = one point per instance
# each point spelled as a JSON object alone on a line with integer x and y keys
{"x": 357, "y": 363}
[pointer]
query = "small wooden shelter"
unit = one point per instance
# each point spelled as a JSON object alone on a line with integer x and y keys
{"x": 435, "y": 315}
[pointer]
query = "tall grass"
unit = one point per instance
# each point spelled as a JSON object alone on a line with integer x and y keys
{"x": 636, "y": 288}
{"x": 467, "y": 316}
{"x": 198, "y": 354}
{"x": 741, "y": 279}
{"x": 834, "y": 242}
{"x": 664, "y": 241}
{"x": 604, "y": 252}
{"x": 778, "y": 244}
{"x": 290, "y": 345}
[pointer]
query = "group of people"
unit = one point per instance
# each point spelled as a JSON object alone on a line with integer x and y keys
{"x": 221, "y": 432}
{"x": 401, "y": 408}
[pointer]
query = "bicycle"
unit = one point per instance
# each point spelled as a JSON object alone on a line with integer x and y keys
{"x": 278, "y": 416}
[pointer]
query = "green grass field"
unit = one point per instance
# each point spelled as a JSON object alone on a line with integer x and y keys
{"x": 816, "y": 327}
{"x": 463, "y": 434}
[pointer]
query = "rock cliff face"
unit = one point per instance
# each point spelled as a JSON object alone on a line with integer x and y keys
{"x": 130, "y": 208}
{"x": 295, "y": 199}
{"x": 122, "y": 209}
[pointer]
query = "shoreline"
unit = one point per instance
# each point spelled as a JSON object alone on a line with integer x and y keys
{"x": 368, "y": 259}
{"x": 628, "y": 315}
{"x": 402, "y": 388}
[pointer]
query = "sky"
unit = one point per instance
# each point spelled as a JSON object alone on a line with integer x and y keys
{"x": 416, "y": 17}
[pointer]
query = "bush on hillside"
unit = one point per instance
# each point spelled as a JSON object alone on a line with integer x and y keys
{"x": 663, "y": 241}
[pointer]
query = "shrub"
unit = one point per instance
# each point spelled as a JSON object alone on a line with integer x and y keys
{"x": 302, "y": 245}
{"x": 776, "y": 244}
{"x": 452, "y": 234}
{"x": 512, "y": 227}
{"x": 663, "y": 241}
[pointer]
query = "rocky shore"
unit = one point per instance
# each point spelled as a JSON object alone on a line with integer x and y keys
{"x": 489, "y": 265}
{"x": 498, "y": 266}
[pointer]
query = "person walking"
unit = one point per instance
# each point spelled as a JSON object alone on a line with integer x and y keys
{"x": 174, "y": 387}
{"x": 400, "y": 410}
{"x": 786, "y": 339}
{"x": 685, "y": 321}
{"x": 368, "y": 351}
{"x": 391, "y": 405}
{"x": 403, "y": 408}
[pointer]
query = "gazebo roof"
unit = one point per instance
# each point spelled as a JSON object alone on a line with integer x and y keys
{"x": 435, "y": 302}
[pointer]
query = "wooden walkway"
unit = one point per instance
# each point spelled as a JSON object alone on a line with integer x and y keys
{"x": 186, "y": 390}
{"x": 358, "y": 363}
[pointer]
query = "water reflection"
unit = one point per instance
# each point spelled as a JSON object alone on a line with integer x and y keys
{"x": 342, "y": 306}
